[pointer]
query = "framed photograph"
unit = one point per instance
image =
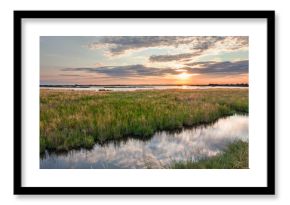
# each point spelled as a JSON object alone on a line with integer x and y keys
{"x": 144, "y": 102}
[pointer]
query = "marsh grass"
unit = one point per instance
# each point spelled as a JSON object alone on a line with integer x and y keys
{"x": 236, "y": 156}
{"x": 79, "y": 119}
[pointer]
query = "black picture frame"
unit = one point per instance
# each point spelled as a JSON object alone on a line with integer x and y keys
{"x": 268, "y": 190}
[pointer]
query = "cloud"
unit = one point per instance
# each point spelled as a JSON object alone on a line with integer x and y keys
{"x": 117, "y": 45}
{"x": 200, "y": 45}
{"x": 126, "y": 71}
{"x": 212, "y": 67}
{"x": 206, "y": 68}
{"x": 98, "y": 64}
{"x": 69, "y": 75}
{"x": 177, "y": 57}
{"x": 235, "y": 42}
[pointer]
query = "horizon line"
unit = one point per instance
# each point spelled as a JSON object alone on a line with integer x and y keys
{"x": 209, "y": 84}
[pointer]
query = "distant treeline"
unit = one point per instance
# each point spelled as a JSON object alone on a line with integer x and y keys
{"x": 232, "y": 85}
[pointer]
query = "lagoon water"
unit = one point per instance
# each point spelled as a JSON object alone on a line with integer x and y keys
{"x": 133, "y": 88}
{"x": 157, "y": 152}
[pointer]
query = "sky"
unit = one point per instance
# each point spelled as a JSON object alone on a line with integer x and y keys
{"x": 131, "y": 60}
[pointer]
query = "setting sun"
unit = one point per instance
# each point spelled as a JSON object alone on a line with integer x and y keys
{"x": 183, "y": 76}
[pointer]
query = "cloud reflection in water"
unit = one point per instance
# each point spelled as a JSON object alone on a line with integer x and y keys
{"x": 158, "y": 152}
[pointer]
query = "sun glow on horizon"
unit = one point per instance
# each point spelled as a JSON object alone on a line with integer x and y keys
{"x": 183, "y": 76}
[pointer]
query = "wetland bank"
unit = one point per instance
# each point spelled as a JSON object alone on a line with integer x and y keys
{"x": 171, "y": 128}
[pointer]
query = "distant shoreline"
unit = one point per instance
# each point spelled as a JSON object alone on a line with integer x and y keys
{"x": 140, "y": 86}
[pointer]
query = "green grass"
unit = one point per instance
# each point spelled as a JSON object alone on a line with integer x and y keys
{"x": 74, "y": 119}
{"x": 234, "y": 157}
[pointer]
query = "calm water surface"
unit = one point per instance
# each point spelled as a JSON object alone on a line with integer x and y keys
{"x": 158, "y": 152}
{"x": 133, "y": 88}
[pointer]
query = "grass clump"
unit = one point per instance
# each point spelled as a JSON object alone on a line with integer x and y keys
{"x": 74, "y": 119}
{"x": 236, "y": 156}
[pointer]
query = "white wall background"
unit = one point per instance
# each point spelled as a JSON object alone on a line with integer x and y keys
{"x": 282, "y": 98}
